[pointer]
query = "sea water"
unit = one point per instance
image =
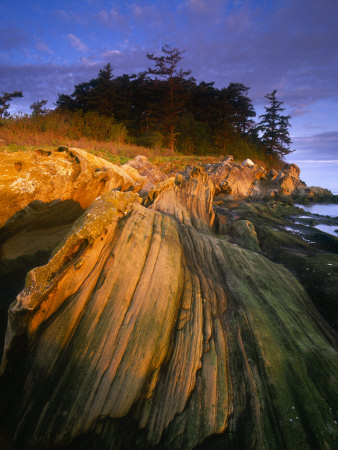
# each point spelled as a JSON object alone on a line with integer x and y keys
{"x": 323, "y": 209}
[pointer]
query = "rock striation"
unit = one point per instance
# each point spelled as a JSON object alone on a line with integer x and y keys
{"x": 147, "y": 329}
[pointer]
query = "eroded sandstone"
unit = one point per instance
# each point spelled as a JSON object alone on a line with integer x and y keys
{"x": 147, "y": 330}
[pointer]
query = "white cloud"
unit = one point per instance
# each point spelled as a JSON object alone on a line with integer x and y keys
{"x": 107, "y": 16}
{"x": 110, "y": 53}
{"x": 76, "y": 43}
{"x": 90, "y": 62}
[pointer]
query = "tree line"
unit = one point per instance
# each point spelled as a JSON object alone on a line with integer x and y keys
{"x": 164, "y": 106}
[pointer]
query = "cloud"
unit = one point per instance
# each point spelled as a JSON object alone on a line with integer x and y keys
{"x": 70, "y": 16}
{"x": 61, "y": 13}
{"x": 316, "y": 147}
{"x": 43, "y": 80}
{"x": 76, "y": 43}
{"x": 110, "y": 53}
{"x": 43, "y": 47}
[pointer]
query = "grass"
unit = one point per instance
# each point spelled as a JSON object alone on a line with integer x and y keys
{"x": 107, "y": 139}
{"x": 166, "y": 161}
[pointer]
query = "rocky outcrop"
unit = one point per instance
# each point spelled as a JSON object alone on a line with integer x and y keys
{"x": 147, "y": 330}
{"x": 278, "y": 183}
{"x": 248, "y": 180}
{"x": 317, "y": 194}
{"x": 65, "y": 174}
{"x": 234, "y": 179}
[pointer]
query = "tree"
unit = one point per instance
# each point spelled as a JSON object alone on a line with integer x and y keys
{"x": 275, "y": 128}
{"x": 38, "y": 108}
{"x": 241, "y": 107}
{"x": 166, "y": 67}
{"x": 5, "y": 100}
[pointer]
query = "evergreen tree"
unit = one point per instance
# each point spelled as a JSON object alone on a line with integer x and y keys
{"x": 38, "y": 108}
{"x": 5, "y": 100}
{"x": 166, "y": 67}
{"x": 241, "y": 107}
{"x": 275, "y": 128}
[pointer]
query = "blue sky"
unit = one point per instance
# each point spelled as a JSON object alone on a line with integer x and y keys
{"x": 290, "y": 45}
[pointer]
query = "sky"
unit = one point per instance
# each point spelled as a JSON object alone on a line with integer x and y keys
{"x": 290, "y": 45}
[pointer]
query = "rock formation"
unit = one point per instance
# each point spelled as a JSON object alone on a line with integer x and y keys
{"x": 147, "y": 328}
{"x": 247, "y": 180}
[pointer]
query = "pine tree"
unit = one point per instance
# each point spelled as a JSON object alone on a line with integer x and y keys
{"x": 166, "y": 68}
{"x": 275, "y": 128}
{"x": 38, "y": 108}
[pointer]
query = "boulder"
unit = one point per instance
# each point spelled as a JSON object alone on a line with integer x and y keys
{"x": 64, "y": 174}
{"x": 151, "y": 173}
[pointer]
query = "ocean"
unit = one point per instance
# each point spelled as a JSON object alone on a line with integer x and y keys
{"x": 324, "y": 209}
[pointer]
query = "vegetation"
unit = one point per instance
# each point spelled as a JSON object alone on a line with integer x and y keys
{"x": 163, "y": 109}
{"x": 38, "y": 108}
{"x": 5, "y": 100}
{"x": 275, "y": 128}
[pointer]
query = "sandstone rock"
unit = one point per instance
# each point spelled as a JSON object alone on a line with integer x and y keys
{"x": 248, "y": 180}
{"x": 188, "y": 198}
{"x": 151, "y": 173}
{"x": 234, "y": 179}
{"x": 146, "y": 330}
{"x": 58, "y": 175}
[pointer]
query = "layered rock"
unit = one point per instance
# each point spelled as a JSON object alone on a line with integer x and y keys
{"x": 247, "y": 180}
{"x": 147, "y": 330}
{"x": 187, "y": 197}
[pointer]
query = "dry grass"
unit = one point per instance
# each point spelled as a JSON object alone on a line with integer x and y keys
{"x": 103, "y": 137}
